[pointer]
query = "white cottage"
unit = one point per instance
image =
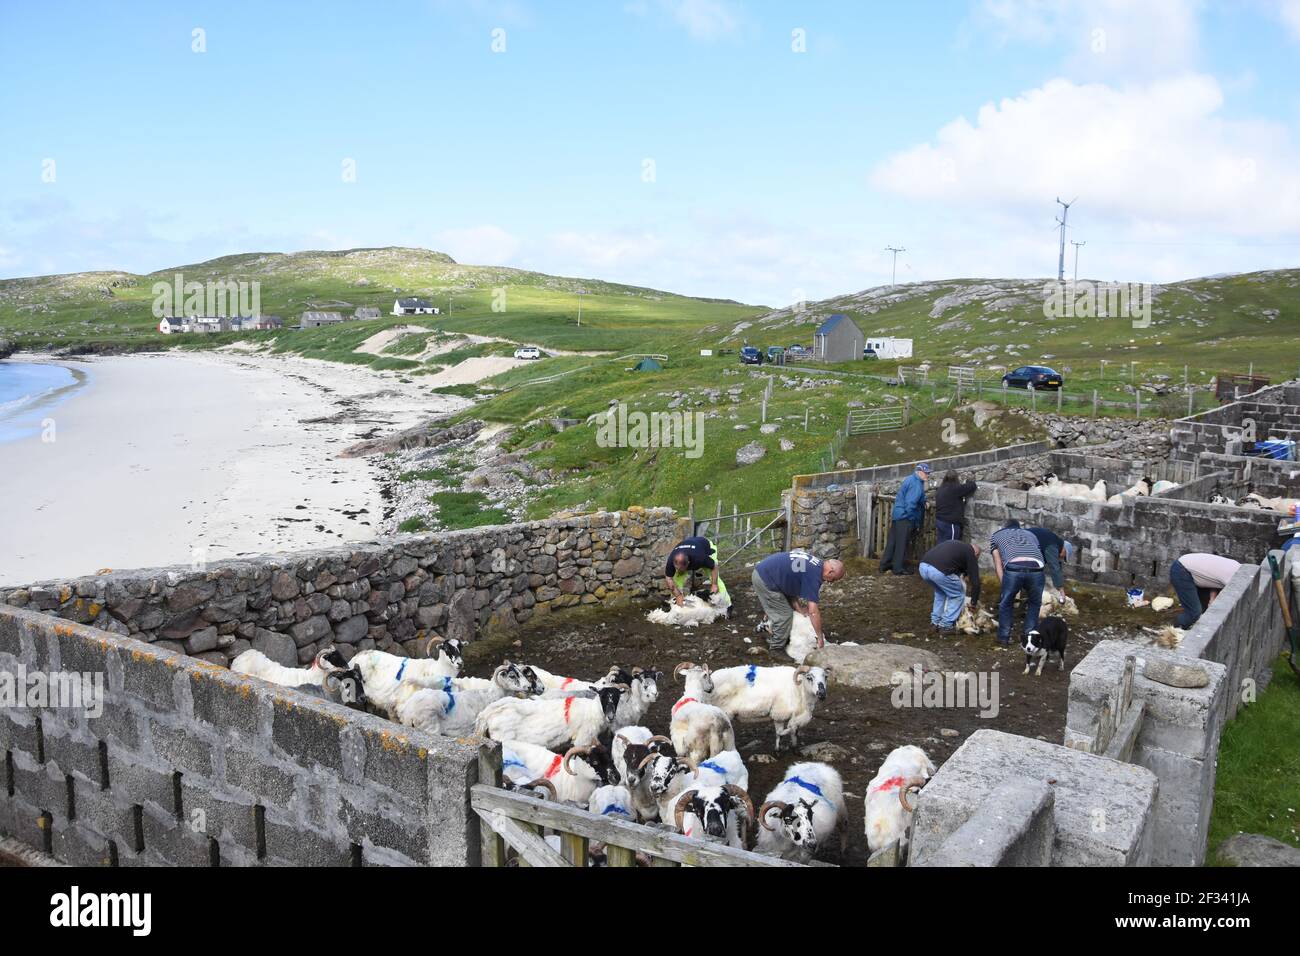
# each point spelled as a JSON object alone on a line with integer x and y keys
{"x": 171, "y": 324}
{"x": 414, "y": 306}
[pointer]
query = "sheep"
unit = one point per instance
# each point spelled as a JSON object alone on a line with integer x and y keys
{"x": 663, "y": 776}
{"x": 888, "y": 811}
{"x": 1057, "y": 602}
{"x": 803, "y": 638}
{"x": 1052, "y": 485}
{"x": 787, "y": 696}
{"x": 385, "y": 672}
{"x": 551, "y": 723}
{"x": 807, "y": 807}
{"x": 612, "y": 800}
{"x": 1142, "y": 489}
{"x": 692, "y": 612}
{"x": 573, "y": 777}
{"x": 346, "y": 687}
{"x": 1280, "y": 505}
{"x": 722, "y": 768}
{"x": 452, "y": 707}
{"x": 256, "y": 664}
{"x": 978, "y": 621}
{"x": 698, "y": 728}
{"x": 1160, "y": 487}
{"x": 1219, "y": 498}
{"x": 721, "y": 812}
{"x": 644, "y": 691}
{"x": 556, "y": 686}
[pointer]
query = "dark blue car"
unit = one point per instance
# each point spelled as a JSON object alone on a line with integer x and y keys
{"x": 1034, "y": 376}
{"x": 751, "y": 355}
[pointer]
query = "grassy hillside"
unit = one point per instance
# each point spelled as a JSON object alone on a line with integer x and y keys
{"x": 1210, "y": 325}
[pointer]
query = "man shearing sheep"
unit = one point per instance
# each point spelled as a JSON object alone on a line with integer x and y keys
{"x": 691, "y": 555}
{"x": 786, "y": 577}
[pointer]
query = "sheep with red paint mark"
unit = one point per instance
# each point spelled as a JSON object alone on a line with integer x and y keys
{"x": 888, "y": 804}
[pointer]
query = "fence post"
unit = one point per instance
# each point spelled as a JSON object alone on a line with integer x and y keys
{"x": 493, "y": 848}
{"x": 1094, "y": 403}
{"x": 1189, "y": 403}
{"x": 805, "y": 418}
{"x": 1137, "y": 399}
{"x": 1059, "y": 397}
{"x": 1004, "y": 391}
{"x": 1033, "y": 399}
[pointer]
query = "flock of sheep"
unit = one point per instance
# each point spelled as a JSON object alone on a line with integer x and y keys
{"x": 582, "y": 742}
{"x": 1051, "y": 484}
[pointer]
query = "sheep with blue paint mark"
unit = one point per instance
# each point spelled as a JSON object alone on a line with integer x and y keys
{"x": 787, "y": 696}
{"x": 452, "y": 704}
{"x": 571, "y": 778}
{"x": 384, "y": 673}
{"x": 803, "y": 812}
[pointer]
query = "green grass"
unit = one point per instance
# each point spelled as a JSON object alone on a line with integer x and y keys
{"x": 465, "y": 509}
{"x": 411, "y": 525}
{"x": 1257, "y": 789}
{"x": 441, "y": 475}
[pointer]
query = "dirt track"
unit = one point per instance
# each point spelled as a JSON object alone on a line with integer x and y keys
{"x": 863, "y": 608}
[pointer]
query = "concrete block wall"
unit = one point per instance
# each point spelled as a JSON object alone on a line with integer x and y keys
{"x": 1177, "y": 737}
{"x": 391, "y": 593}
{"x": 189, "y": 764}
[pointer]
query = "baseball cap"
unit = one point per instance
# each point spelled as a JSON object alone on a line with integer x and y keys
{"x": 923, "y": 467}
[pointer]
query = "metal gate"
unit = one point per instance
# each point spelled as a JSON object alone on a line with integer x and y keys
{"x": 745, "y": 534}
{"x": 872, "y": 421}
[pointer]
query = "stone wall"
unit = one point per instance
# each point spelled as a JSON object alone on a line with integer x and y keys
{"x": 189, "y": 764}
{"x": 391, "y": 593}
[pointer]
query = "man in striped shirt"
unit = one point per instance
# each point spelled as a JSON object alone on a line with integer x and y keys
{"x": 1018, "y": 561}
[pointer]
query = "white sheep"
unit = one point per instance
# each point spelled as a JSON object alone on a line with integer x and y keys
{"x": 613, "y": 800}
{"x": 643, "y": 690}
{"x": 693, "y": 612}
{"x": 557, "y": 686}
{"x": 551, "y": 722}
{"x": 452, "y": 707}
{"x": 787, "y": 696}
{"x": 384, "y": 672}
{"x": 1057, "y": 602}
{"x": 572, "y": 777}
{"x": 802, "y": 812}
{"x": 699, "y": 729}
{"x": 1280, "y": 505}
{"x": 978, "y": 621}
{"x": 1141, "y": 489}
{"x": 888, "y": 811}
{"x": 803, "y": 638}
{"x": 1160, "y": 487}
{"x": 723, "y": 812}
{"x": 721, "y": 769}
{"x": 256, "y": 664}
{"x": 1052, "y": 485}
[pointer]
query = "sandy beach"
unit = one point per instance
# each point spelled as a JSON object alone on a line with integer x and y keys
{"x": 181, "y": 457}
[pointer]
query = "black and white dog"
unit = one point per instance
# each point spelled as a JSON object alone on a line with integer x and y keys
{"x": 1048, "y": 638}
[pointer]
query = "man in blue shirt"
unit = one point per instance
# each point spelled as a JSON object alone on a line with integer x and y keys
{"x": 789, "y": 576}
{"x": 908, "y": 515}
{"x": 1056, "y": 550}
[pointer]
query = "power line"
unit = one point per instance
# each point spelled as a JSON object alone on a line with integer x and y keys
{"x": 1065, "y": 214}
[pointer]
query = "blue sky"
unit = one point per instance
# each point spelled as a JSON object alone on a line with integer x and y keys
{"x": 778, "y": 174}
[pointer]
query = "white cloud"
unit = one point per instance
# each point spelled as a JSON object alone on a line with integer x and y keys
{"x": 1160, "y": 155}
{"x": 478, "y": 245}
{"x": 1289, "y": 10}
{"x": 703, "y": 20}
{"x": 1107, "y": 38}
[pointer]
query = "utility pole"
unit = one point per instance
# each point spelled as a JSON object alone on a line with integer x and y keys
{"x": 1076, "y": 259}
{"x": 893, "y": 277}
{"x": 581, "y": 293}
{"x": 1065, "y": 213}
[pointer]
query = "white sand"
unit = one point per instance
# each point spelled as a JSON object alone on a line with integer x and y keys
{"x": 474, "y": 370}
{"x": 165, "y": 459}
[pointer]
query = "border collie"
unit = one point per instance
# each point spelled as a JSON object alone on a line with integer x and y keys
{"x": 1048, "y": 638}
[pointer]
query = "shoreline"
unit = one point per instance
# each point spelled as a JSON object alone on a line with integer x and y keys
{"x": 181, "y": 458}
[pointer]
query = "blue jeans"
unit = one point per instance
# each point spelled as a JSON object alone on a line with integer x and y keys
{"x": 947, "y": 531}
{"x": 949, "y": 595}
{"x": 1193, "y": 599}
{"x": 1014, "y": 582}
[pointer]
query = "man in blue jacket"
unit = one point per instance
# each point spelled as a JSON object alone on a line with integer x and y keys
{"x": 909, "y": 513}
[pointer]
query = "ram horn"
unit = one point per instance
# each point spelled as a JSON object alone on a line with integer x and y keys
{"x": 330, "y": 677}
{"x": 428, "y": 648}
{"x": 800, "y": 670}
{"x": 910, "y": 785}
{"x": 737, "y": 791}
{"x": 544, "y": 784}
{"x": 667, "y": 740}
{"x": 645, "y": 760}
{"x": 677, "y": 671}
{"x": 626, "y": 742}
{"x": 323, "y": 664}
{"x": 574, "y": 752}
{"x": 679, "y": 809}
{"x": 765, "y": 808}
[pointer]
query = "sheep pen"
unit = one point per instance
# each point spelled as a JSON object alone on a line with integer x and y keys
{"x": 853, "y": 729}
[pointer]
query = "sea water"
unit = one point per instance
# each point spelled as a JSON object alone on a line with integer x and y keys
{"x": 28, "y": 393}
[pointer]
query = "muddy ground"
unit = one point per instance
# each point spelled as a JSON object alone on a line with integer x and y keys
{"x": 863, "y": 608}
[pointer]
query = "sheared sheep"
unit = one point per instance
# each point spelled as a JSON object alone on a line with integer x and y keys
{"x": 787, "y": 696}
{"x": 979, "y": 621}
{"x": 1052, "y": 485}
{"x": 888, "y": 811}
{"x": 256, "y": 664}
{"x": 802, "y": 812}
{"x": 1160, "y": 487}
{"x": 803, "y": 638}
{"x": 693, "y": 612}
{"x": 452, "y": 707}
{"x": 551, "y": 723}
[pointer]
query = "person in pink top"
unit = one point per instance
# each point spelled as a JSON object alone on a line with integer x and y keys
{"x": 1197, "y": 579}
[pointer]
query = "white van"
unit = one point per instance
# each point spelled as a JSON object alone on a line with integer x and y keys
{"x": 528, "y": 352}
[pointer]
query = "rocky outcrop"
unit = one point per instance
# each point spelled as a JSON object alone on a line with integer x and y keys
{"x": 430, "y": 434}
{"x": 7, "y": 348}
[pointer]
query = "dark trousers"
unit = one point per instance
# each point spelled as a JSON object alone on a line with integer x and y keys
{"x": 947, "y": 531}
{"x": 1193, "y": 599}
{"x": 1013, "y": 582}
{"x": 900, "y": 536}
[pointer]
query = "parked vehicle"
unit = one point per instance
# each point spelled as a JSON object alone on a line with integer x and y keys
{"x": 1034, "y": 376}
{"x": 528, "y": 352}
{"x": 798, "y": 352}
{"x": 750, "y": 355}
{"x": 776, "y": 355}
{"x": 888, "y": 348}
{"x": 869, "y": 353}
